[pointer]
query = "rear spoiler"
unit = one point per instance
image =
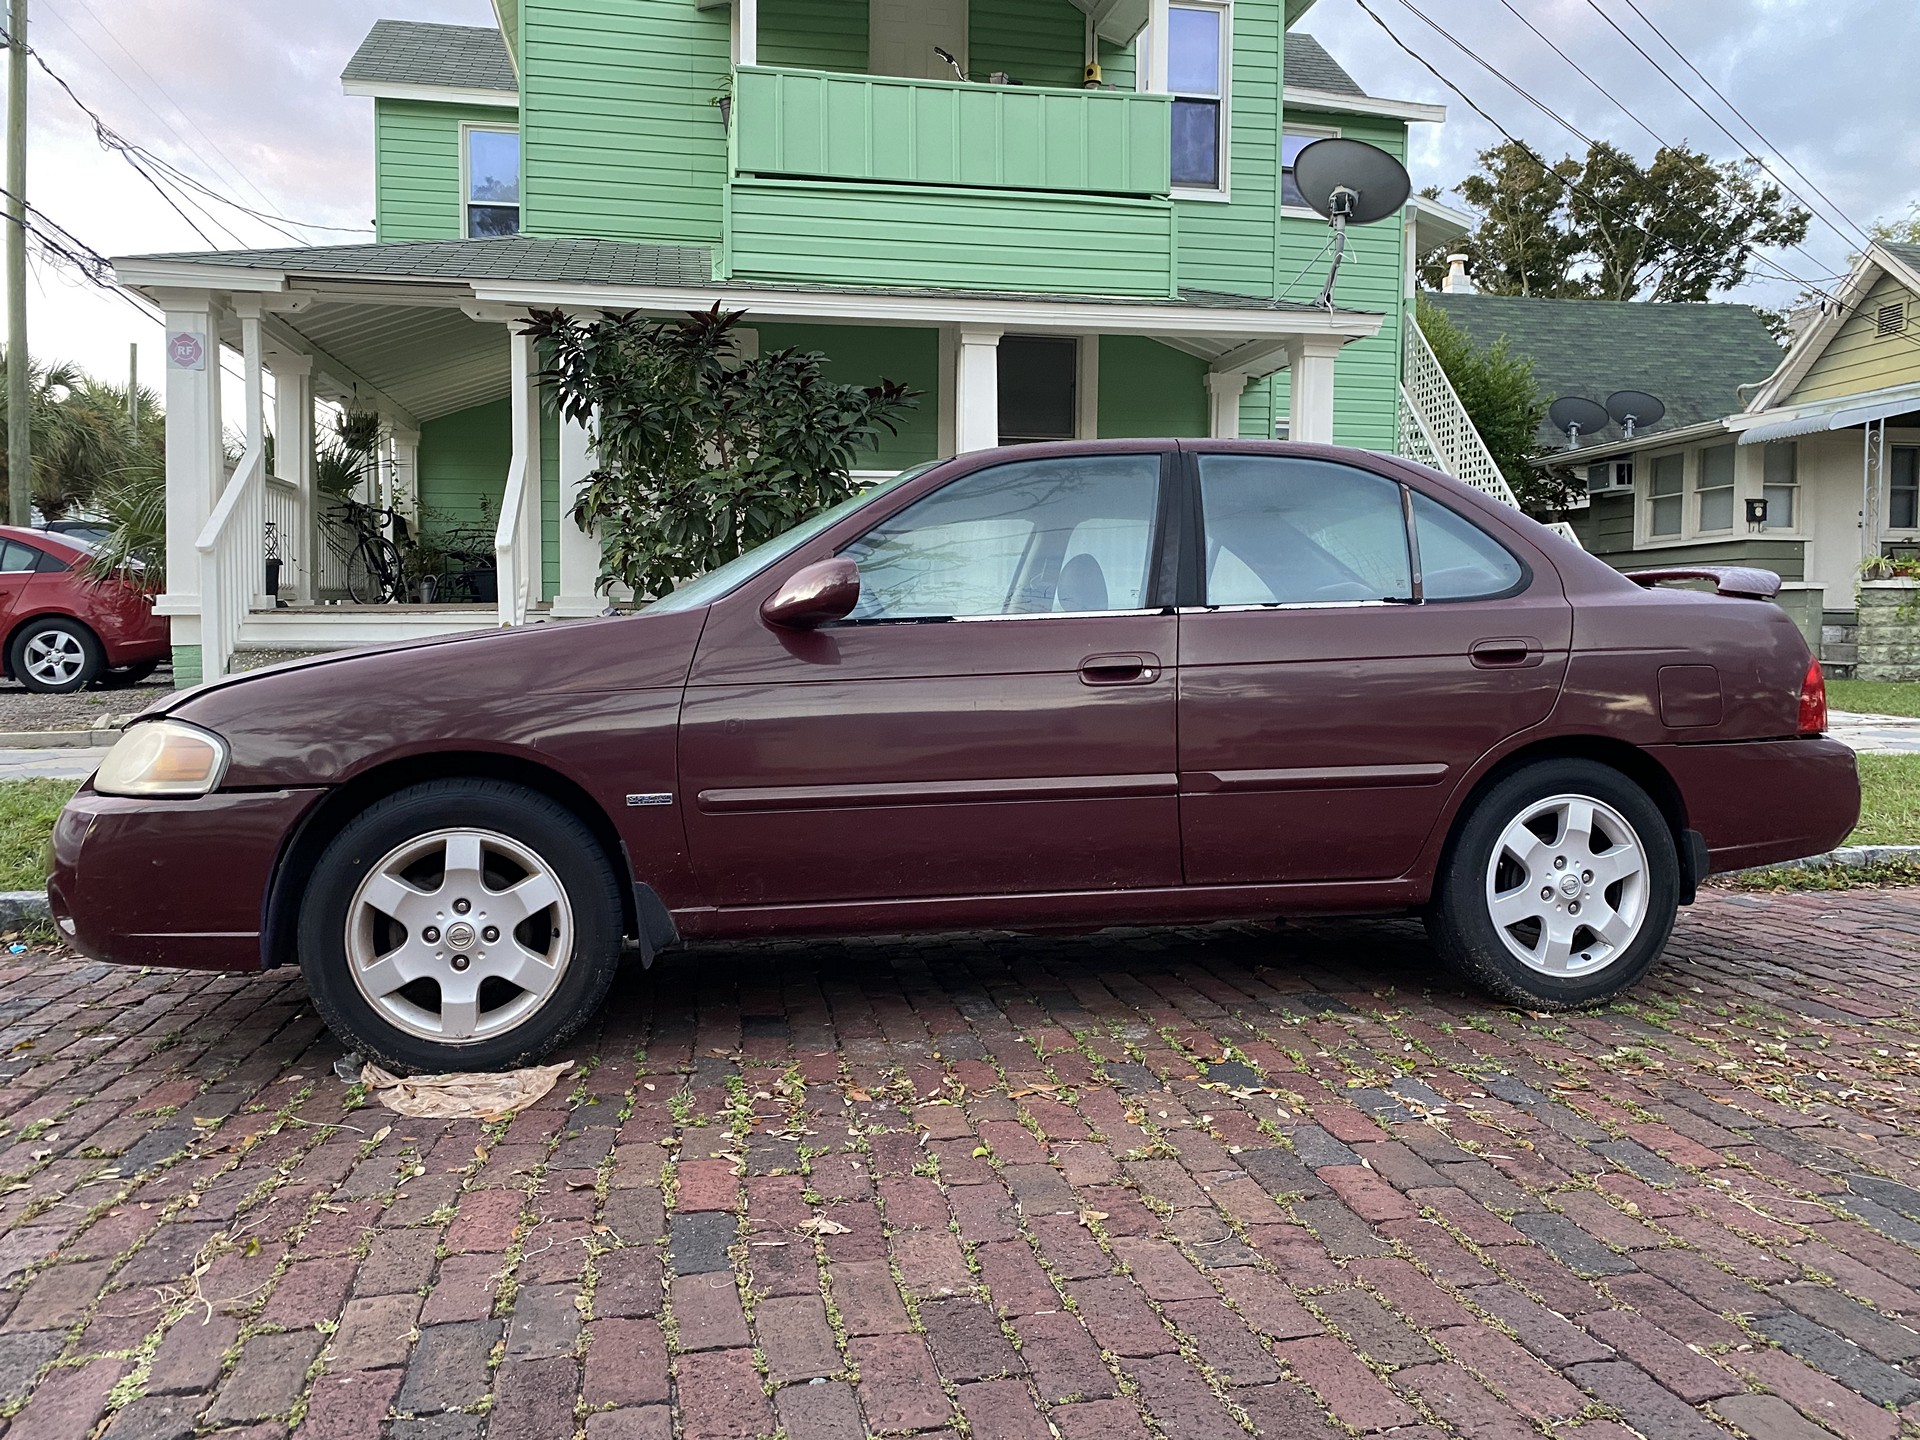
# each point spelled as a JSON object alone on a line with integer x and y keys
{"x": 1737, "y": 580}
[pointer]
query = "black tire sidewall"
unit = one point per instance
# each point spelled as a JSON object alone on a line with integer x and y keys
{"x": 128, "y": 675}
{"x": 90, "y": 669}
{"x": 549, "y": 829}
{"x": 1464, "y": 931}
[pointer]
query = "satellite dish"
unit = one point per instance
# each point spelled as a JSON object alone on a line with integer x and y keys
{"x": 1632, "y": 409}
{"x": 1351, "y": 183}
{"x": 1575, "y": 415}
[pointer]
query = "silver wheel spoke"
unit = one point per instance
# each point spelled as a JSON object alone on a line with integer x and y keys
{"x": 459, "y": 1011}
{"x": 1527, "y": 849}
{"x": 464, "y": 862}
{"x": 1555, "y": 950}
{"x": 1617, "y": 864}
{"x": 393, "y": 972}
{"x": 1577, "y": 832}
{"x": 391, "y": 895}
{"x": 1516, "y": 906}
{"x": 528, "y": 898}
{"x": 517, "y": 965}
{"x": 1611, "y": 927}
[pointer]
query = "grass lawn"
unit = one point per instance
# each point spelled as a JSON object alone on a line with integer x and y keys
{"x": 1889, "y": 800}
{"x": 27, "y": 812}
{"x": 1874, "y": 697}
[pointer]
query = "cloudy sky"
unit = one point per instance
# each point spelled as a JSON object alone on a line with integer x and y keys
{"x": 244, "y": 95}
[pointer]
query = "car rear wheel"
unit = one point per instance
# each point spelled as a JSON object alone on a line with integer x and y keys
{"x": 128, "y": 675}
{"x": 460, "y": 925}
{"x": 1560, "y": 889}
{"x": 54, "y": 655}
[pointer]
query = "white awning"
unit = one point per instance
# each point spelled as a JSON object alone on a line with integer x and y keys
{"x": 1784, "y": 429}
{"x": 1841, "y": 414}
{"x": 1116, "y": 21}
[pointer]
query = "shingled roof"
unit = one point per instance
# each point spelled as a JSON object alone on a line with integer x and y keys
{"x": 1310, "y": 67}
{"x": 1693, "y": 357}
{"x": 410, "y": 52}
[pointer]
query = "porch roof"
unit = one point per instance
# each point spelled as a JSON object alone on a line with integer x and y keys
{"x": 421, "y": 326}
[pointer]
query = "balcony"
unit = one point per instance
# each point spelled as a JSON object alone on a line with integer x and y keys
{"x": 844, "y": 178}
{"x": 878, "y": 128}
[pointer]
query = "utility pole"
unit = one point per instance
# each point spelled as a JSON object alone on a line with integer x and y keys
{"x": 19, "y": 358}
{"x": 133, "y": 390}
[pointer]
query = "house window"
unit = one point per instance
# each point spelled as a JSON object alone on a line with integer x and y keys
{"x": 1715, "y": 488}
{"x": 1665, "y": 497}
{"x": 1903, "y": 489}
{"x": 1039, "y": 388}
{"x": 1198, "y": 53}
{"x": 493, "y": 183}
{"x": 1291, "y": 144}
{"x": 1782, "y": 484}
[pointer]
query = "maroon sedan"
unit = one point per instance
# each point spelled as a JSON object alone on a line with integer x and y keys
{"x": 1072, "y": 685}
{"x": 65, "y": 627}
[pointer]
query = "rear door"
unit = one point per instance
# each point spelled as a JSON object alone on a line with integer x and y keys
{"x": 18, "y": 564}
{"x": 1356, "y": 647}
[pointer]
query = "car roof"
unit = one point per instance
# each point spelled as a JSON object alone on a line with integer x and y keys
{"x": 51, "y": 541}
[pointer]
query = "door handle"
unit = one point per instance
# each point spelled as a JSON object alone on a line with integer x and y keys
{"x": 1119, "y": 669}
{"x": 1506, "y": 653}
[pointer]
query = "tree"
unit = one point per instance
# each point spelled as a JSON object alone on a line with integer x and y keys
{"x": 1682, "y": 228}
{"x": 701, "y": 454}
{"x": 80, "y": 435}
{"x": 1498, "y": 391}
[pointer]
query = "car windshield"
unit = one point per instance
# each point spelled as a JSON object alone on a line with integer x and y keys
{"x": 736, "y": 572}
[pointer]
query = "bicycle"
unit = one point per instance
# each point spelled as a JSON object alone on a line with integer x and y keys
{"x": 376, "y": 570}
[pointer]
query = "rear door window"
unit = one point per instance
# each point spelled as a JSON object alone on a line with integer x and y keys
{"x": 1280, "y": 530}
{"x": 1459, "y": 560}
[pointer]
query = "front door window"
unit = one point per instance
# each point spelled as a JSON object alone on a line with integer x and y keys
{"x": 1043, "y": 537}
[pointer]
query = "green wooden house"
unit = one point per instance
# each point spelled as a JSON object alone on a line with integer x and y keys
{"x": 1057, "y": 219}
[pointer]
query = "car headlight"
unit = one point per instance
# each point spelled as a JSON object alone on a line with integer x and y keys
{"x": 163, "y": 757}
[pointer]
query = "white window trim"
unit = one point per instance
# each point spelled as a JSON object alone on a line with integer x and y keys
{"x": 1318, "y": 132}
{"x": 467, "y": 127}
{"x": 1697, "y": 492}
{"x": 1643, "y": 497}
{"x": 1796, "y": 485}
{"x": 1745, "y": 487}
{"x": 1159, "y": 26}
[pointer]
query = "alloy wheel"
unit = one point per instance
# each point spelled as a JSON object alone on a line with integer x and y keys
{"x": 459, "y": 935}
{"x": 1567, "y": 885}
{"x": 55, "y": 657}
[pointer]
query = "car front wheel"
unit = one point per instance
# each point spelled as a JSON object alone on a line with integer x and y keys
{"x": 460, "y": 925}
{"x": 55, "y": 655}
{"x": 1561, "y": 887}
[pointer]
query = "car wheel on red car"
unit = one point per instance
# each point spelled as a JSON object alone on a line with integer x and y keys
{"x": 55, "y": 655}
{"x": 127, "y": 675}
{"x": 460, "y": 925}
{"x": 1561, "y": 887}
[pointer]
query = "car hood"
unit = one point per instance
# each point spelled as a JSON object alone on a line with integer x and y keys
{"x": 314, "y": 721}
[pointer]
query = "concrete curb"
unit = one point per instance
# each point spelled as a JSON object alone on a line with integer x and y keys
{"x": 21, "y": 908}
{"x": 95, "y": 739}
{"x": 1847, "y": 857}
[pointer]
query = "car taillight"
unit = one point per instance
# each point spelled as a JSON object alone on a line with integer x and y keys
{"x": 1813, "y": 701}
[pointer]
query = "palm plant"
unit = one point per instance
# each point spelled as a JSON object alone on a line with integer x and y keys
{"x": 81, "y": 438}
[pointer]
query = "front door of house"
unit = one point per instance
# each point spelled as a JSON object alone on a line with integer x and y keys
{"x": 902, "y": 34}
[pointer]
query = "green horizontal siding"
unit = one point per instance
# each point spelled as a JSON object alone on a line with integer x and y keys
{"x": 416, "y": 166}
{"x": 622, "y": 140}
{"x": 866, "y": 355}
{"x": 968, "y": 239}
{"x": 814, "y": 34}
{"x": 1230, "y": 246}
{"x": 1148, "y": 389}
{"x": 463, "y": 468}
{"x": 1036, "y": 42}
{"x": 867, "y": 127}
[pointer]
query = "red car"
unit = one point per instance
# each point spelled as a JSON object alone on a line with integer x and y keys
{"x": 66, "y": 628}
{"x": 1072, "y": 685}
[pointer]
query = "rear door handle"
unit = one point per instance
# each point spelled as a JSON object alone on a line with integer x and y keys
{"x": 1509, "y": 652}
{"x": 1135, "y": 669}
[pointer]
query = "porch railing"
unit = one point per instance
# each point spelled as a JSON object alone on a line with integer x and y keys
{"x": 829, "y": 125}
{"x": 1443, "y": 424}
{"x": 232, "y": 547}
{"x": 286, "y": 531}
{"x": 510, "y": 547}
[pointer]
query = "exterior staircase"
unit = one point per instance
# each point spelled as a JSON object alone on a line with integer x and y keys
{"x": 1435, "y": 429}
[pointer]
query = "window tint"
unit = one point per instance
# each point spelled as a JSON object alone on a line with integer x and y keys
{"x": 1042, "y": 537}
{"x": 1281, "y": 531}
{"x": 1458, "y": 560}
{"x": 15, "y": 557}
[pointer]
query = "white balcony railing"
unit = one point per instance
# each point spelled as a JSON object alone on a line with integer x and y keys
{"x": 232, "y": 546}
{"x": 511, "y": 549}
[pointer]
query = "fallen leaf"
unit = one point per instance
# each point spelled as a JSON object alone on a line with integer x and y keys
{"x": 821, "y": 1225}
{"x": 1090, "y": 1218}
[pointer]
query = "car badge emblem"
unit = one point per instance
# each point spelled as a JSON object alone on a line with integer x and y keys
{"x": 662, "y": 798}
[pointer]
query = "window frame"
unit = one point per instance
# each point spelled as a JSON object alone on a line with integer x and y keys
{"x": 1887, "y": 527}
{"x": 1309, "y": 132}
{"x": 1700, "y": 490}
{"x": 1767, "y": 485}
{"x": 1222, "y": 190}
{"x": 467, "y": 202}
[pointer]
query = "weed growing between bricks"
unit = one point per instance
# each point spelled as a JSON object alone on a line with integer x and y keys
{"x": 1269, "y": 1181}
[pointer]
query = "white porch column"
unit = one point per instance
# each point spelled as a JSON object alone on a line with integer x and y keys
{"x": 746, "y": 32}
{"x": 579, "y": 550}
{"x": 1310, "y": 359}
{"x": 293, "y": 461}
{"x": 1224, "y": 389}
{"x": 976, "y": 391}
{"x": 525, "y": 364}
{"x": 196, "y": 462}
{"x": 251, "y": 538}
{"x": 406, "y": 475}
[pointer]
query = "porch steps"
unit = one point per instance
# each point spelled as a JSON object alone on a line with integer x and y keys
{"x": 317, "y": 629}
{"x": 1839, "y": 643}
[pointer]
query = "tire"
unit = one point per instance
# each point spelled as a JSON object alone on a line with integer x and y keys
{"x": 128, "y": 675}
{"x": 55, "y": 656}
{"x": 372, "y": 570}
{"x": 1612, "y": 905}
{"x": 377, "y": 980}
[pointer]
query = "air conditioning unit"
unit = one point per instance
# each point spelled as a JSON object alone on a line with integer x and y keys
{"x": 1610, "y": 477}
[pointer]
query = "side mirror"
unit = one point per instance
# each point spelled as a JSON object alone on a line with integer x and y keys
{"x": 823, "y": 592}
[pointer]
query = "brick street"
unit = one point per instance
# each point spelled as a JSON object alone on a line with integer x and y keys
{"x": 1262, "y": 1180}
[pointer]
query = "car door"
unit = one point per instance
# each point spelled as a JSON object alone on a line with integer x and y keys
{"x": 18, "y": 564}
{"x": 1355, "y": 648}
{"x": 995, "y": 717}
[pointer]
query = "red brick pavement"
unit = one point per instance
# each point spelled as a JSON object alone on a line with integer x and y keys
{"x": 1174, "y": 1184}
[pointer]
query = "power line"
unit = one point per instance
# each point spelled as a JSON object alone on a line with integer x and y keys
{"x": 1694, "y": 101}
{"x": 1540, "y": 160}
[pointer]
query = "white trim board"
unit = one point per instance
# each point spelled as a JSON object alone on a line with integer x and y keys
{"x": 434, "y": 94}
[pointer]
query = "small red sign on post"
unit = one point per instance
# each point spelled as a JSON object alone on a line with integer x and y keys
{"x": 186, "y": 350}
